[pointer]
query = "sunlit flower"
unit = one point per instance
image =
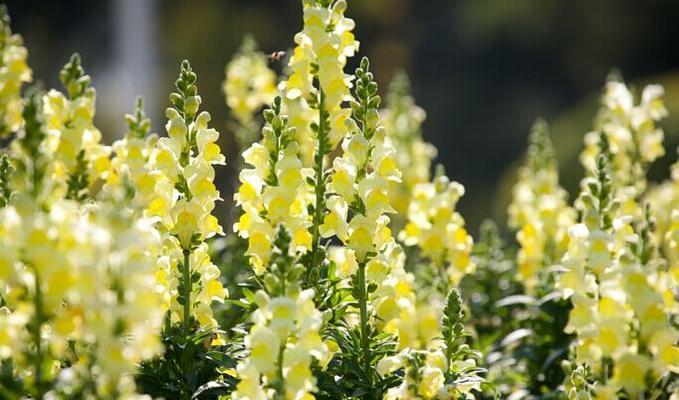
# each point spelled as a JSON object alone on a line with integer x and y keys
{"x": 437, "y": 229}
{"x": 402, "y": 119}
{"x": 184, "y": 196}
{"x": 80, "y": 158}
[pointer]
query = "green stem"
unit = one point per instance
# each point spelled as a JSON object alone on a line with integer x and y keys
{"x": 37, "y": 337}
{"x": 443, "y": 276}
{"x": 319, "y": 184}
{"x": 280, "y": 385}
{"x": 186, "y": 276}
{"x": 363, "y": 306}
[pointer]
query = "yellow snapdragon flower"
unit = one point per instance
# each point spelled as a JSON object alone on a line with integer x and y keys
{"x": 80, "y": 158}
{"x": 85, "y": 275}
{"x": 360, "y": 181}
{"x": 30, "y": 154}
{"x": 399, "y": 311}
{"x": 415, "y": 323}
{"x": 274, "y": 192}
{"x": 250, "y": 84}
{"x": 664, "y": 203}
{"x": 129, "y": 177}
{"x": 321, "y": 52}
{"x": 285, "y": 337}
{"x": 14, "y": 72}
{"x": 414, "y": 320}
{"x": 121, "y": 257}
{"x": 181, "y": 165}
{"x": 402, "y": 119}
{"x": 424, "y": 376}
{"x": 357, "y": 215}
{"x": 539, "y": 210}
{"x": 611, "y": 278}
{"x": 438, "y": 230}
{"x": 367, "y": 231}
{"x": 444, "y": 369}
{"x": 283, "y": 342}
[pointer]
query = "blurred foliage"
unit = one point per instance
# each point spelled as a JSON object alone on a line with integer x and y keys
{"x": 569, "y": 127}
{"x": 520, "y": 336}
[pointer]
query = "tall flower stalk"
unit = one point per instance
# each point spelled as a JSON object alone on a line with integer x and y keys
{"x": 622, "y": 325}
{"x": 539, "y": 211}
{"x": 635, "y": 139}
{"x": 185, "y": 195}
{"x": 284, "y": 338}
{"x": 81, "y": 161}
{"x": 180, "y": 172}
{"x": 314, "y": 94}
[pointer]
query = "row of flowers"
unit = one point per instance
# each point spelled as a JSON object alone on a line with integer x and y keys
{"x": 361, "y": 280}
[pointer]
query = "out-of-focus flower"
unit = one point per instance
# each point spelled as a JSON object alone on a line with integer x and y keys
{"x": 81, "y": 161}
{"x": 402, "y": 119}
{"x": 14, "y": 72}
{"x": 85, "y": 277}
{"x": 438, "y": 230}
{"x": 321, "y": 52}
{"x": 250, "y": 84}
{"x": 620, "y": 310}
{"x": 539, "y": 210}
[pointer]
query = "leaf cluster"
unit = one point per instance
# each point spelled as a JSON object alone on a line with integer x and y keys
{"x": 346, "y": 376}
{"x": 190, "y": 368}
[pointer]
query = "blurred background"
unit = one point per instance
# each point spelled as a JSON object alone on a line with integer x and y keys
{"x": 482, "y": 69}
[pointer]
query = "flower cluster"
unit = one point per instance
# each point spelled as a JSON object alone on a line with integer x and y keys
{"x": 285, "y": 335}
{"x": 424, "y": 377}
{"x": 539, "y": 210}
{"x": 282, "y": 343}
{"x": 274, "y": 192}
{"x": 664, "y": 203}
{"x": 78, "y": 281}
{"x": 79, "y": 276}
{"x": 413, "y": 319}
{"x": 634, "y": 137}
{"x": 250, "y": 84}
{"x": 108, "y": 286}
{"x": 81, "y": 161}
{"x": 14, "y": 72}
{"x": 129, "y": 178}
{"x": 438, "y": 230}
{"x": 184, "y": 197}
{"x": 445, "y": 370}
{"x": 360, "y": 178}
{"x": 324, "y": 171}
{"x": 402, "y": 118}
{"x": 620, "y": 298}
{"x": 320, "y": 54}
